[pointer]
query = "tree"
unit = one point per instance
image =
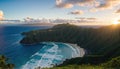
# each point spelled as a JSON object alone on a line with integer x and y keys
{"x": 4, "y": 64}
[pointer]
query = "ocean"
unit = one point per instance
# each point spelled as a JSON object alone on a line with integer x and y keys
{"x": 44, "y": 54}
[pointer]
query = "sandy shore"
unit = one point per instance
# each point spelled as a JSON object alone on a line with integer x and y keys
{"x": 80, "y": 51}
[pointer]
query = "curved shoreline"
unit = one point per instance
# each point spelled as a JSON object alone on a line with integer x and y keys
{"x": 81, "y": 51}
{"x": 77, "y": 52}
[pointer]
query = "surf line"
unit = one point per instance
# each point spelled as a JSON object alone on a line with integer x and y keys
{"x": 44, "y": 61}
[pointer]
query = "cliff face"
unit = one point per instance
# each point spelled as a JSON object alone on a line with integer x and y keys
{"x": 101, "y": 41}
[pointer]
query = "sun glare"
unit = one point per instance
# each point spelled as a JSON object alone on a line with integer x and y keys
{"x": 116, "y": 22}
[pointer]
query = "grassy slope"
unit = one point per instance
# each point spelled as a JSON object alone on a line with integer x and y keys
{"x": 112, "y": 64}
{"x": 78, "y": 67}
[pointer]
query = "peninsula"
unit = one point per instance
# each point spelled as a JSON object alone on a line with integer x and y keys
{"x": 102, "y": 44}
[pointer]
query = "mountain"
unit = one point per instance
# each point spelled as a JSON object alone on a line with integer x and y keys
{"x": 101, "y": 44}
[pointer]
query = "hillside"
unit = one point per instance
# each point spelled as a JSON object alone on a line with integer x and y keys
{"x": 112, "y": 64}
{"x": 102, "y": 41}
{"x": 102, "y": 44}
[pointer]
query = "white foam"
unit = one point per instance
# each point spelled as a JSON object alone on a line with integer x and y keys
{"x": 46, "y": 59}
{"x": 36, "y": 54}
{"x": 47, "y": 63}
{"x": 77, "y": 51}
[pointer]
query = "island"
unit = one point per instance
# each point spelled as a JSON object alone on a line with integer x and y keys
{"x": 102, "y": 44}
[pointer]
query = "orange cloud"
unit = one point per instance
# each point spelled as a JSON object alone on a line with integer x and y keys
{"x": 109, "y": 4}
{"x": 89, "y": 19}
{"x": 93, "y": 10}
{"x": 1, "y": 15}
{"x": 65, "y": 5}
{"x": 71, "y": 3}
{"x": 95, "y": 4}
{"x": 118, "y": 11}
{"x": 119, "y": 21}
{"x": 77, "y": 12}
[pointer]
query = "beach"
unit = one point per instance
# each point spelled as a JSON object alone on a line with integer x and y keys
{"x": 80, "y": 51}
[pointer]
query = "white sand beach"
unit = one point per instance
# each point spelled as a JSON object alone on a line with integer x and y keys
{"x": 80, "y": 51}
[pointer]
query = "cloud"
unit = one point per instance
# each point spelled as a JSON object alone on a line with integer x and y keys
{"x": 109, "y": 3}
{"x": 1, "y": 15}
{"x": 119, "y": 21}
{"x": 93, "y": 10}
{"x": 71, "y": 3}
{"x": 65, "y": 5}
{"x": 118, "y": 11}
{"x": 77, "y": 12}
{"x": 87, "y": 19}
{"x": 95, "y": 5}
{"x": 91, "y": 18}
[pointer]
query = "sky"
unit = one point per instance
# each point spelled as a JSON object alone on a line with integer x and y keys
{"x": 106, "y": 11}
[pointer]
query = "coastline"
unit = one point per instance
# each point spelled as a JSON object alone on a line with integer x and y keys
{"x": 81, "y": 51}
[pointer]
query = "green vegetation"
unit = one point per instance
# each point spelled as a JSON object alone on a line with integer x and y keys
{"x": 89, "y": 62}
{"x": 102, "y": 44}
{"x": 102, "y": 41}
{"x": 77, "y": 67}
{"x": 114, "y": 63}
{"x": 3, "y": 64}
{"x": 89, "y": 59}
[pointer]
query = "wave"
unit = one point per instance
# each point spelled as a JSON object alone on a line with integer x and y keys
{"x": 77, "y": 51}
{"x": 46, "y": 59}
{"x": 49, "y": 55}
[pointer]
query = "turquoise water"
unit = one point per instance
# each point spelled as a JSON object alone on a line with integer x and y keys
{"x": 49, "y": 55}
{"x": 45, "y": 54}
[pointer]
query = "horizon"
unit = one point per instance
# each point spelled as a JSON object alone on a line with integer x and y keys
{"x": 100, "y": 12}
{"x": 59, "y": 34}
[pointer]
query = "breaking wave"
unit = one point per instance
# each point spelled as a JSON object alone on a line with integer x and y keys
{"x": 49, "y": 56}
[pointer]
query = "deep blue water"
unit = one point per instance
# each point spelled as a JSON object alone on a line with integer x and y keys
{"x": 29, "y": 57}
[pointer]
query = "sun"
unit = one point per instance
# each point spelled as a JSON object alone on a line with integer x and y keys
{"x": 116, "y": 22}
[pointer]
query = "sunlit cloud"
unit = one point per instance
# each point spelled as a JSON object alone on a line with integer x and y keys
{"x": 119, "y": 21}
{"x": 71, "y": 3}
{"x": 86, "y": 19}
{"x": 118, "y": 11}
{"x": 77, "y": 12}
{"x": 93, "y": 10}
{"x": 68, "y": 5}
{"x": 109, "y": 3}
{"x": 92, "y": 18}
{"x": 95, "y": 5}
{"x": 1, "y": 15}
{"x": 60, "y": 4}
